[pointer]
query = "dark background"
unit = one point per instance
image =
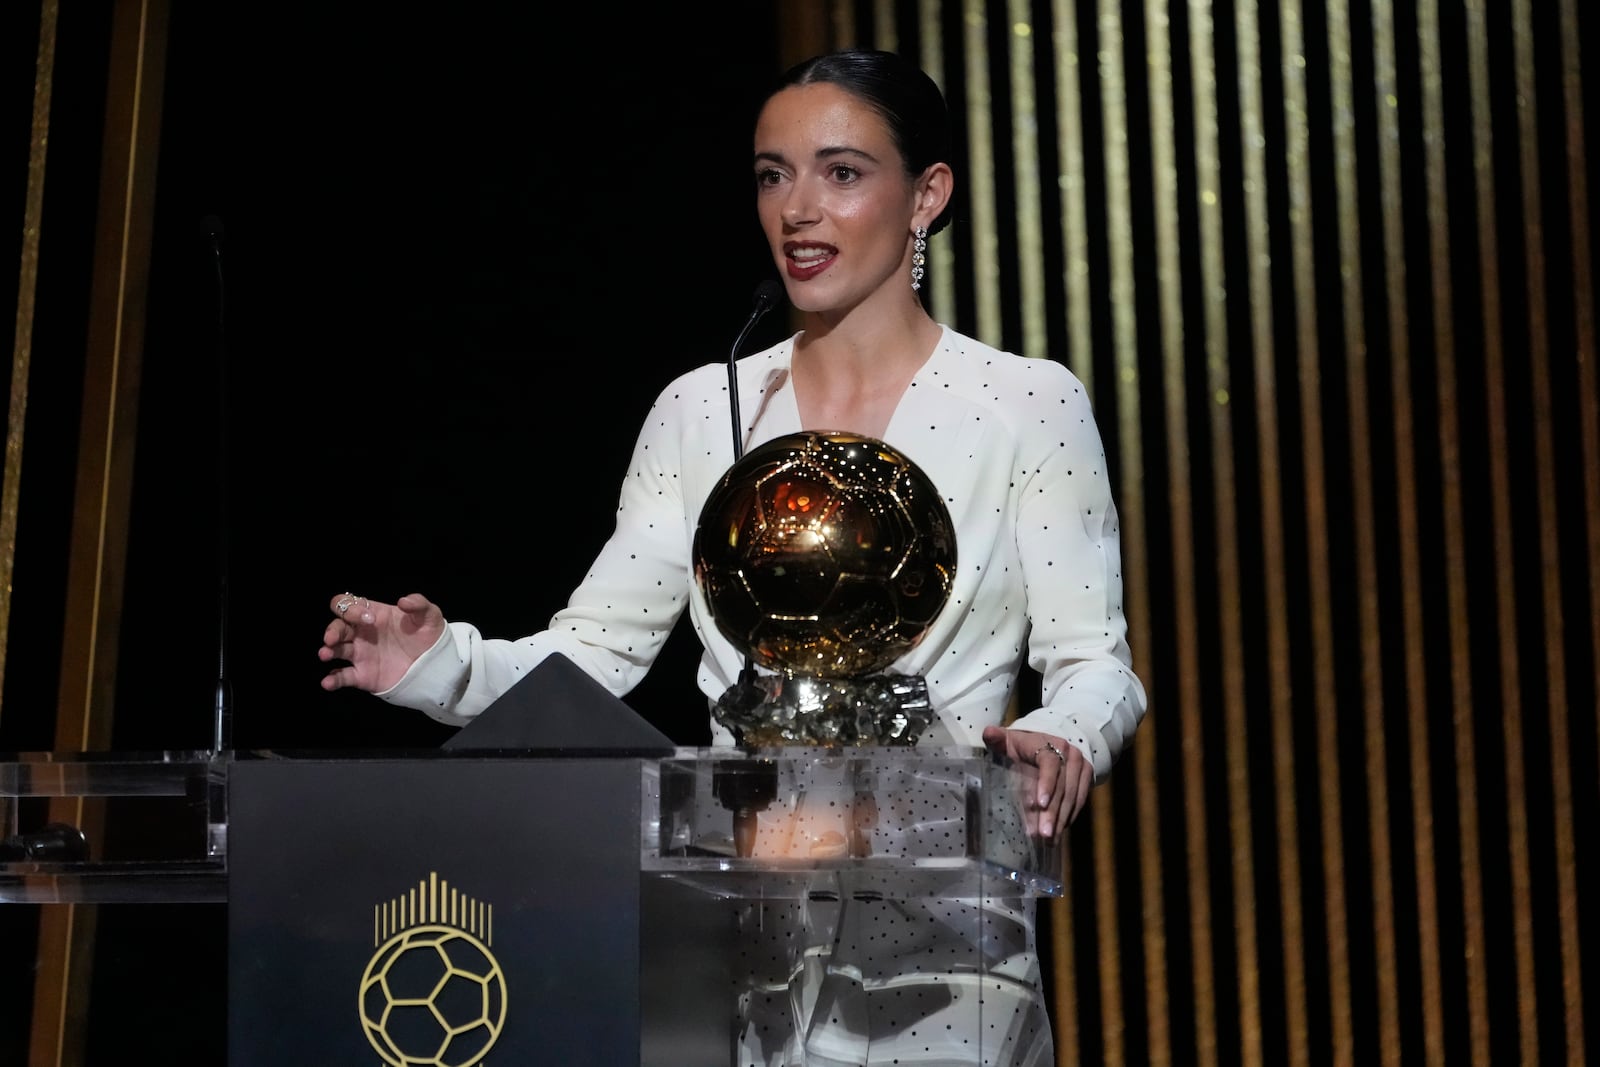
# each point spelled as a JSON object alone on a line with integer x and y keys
{"x": 461, "y": 254}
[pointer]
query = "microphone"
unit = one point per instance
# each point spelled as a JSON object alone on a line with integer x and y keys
{"x": 213, "y": 227}
{"x": 767, "y": 295}
{"x": 222, "y": 715}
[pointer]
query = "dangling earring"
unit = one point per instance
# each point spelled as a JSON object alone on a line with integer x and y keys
{"x": 918, "y": 257}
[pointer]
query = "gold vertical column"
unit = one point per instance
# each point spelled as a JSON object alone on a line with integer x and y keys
{"x": 1125, "y": 340}
{"x": 804, "y": 30}
{"x": 1213, "y": 284}
{"x": 1253, "y": 139}
{"x": 111, "y": 387}
{"x": 27, "y": 284}
{"x": 1133, "y": 505}
{"x": 1450, "y": 474}
{"x": 886, "y": 35}
{"x": 1583, "y": 310}
{"x": 1505, "y": 573}
{"x": 1408, "y": 540}
{"x": 1074, "y": 211}
{"x": 1364, "y": 526}
{"x": 844, "y": 23}
{"x": 1180, "y": 504}
{"x": 107, "y": 433}
{"x": 1080, "y": 357}
{"x": 980, "y": 161}
{"x": 1025, "y": 164}
{"x": 1589, "y": 434}
{"x": 941, "y": 259}
{"x": 1538, "y": 366}
{"x": 1324, "y": 701}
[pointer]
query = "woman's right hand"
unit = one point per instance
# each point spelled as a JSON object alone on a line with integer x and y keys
{"x": 374, "y": 644}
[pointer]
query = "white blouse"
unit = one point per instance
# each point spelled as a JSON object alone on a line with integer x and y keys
{"x": 1009, "y": 442}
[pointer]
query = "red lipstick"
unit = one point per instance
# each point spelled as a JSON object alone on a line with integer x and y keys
{"x": 804, "y": 259}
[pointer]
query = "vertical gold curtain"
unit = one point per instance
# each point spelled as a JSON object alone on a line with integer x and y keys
{"x": 22, "y": 346}
{"x": 1326, "y": 266}
{"x": 117, "y": 273}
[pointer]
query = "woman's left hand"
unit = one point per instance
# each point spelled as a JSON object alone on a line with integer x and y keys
{"x": 1065, "y": 777}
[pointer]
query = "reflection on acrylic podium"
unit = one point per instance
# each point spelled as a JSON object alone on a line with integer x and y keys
{"x": 817, "y": 906}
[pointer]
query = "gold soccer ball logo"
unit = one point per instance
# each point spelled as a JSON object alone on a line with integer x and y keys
{"x": 433, "y": 995}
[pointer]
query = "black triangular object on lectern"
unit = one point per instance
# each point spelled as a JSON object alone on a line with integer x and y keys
{"x": 558, "y": 706}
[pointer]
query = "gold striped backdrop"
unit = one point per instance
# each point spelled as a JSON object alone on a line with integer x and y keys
{"x": 1326, "y": 267}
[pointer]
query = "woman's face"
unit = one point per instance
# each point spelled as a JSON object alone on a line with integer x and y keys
{"x": 833, "y": 197}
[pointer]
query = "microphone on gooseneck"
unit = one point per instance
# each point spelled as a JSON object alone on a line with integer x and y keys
{"x": 768, "y": 293}
{"x": 222, "y": 717}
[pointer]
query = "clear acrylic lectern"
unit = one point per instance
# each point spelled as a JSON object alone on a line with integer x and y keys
{"x": 688, "y": 902}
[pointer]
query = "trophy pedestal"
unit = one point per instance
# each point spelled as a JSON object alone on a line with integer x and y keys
{"x": 874, "y": 709}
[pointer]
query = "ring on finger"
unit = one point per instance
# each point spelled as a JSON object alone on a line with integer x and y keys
{"x": 345, "y": 602}
{"x": 1058, "y": 753}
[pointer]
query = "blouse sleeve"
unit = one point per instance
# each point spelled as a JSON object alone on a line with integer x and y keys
{"x": 1069, "y": 542}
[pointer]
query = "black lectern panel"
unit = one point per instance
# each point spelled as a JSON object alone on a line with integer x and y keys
{"x": 559, "y": 706}
{"x": 439, "y": 909}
